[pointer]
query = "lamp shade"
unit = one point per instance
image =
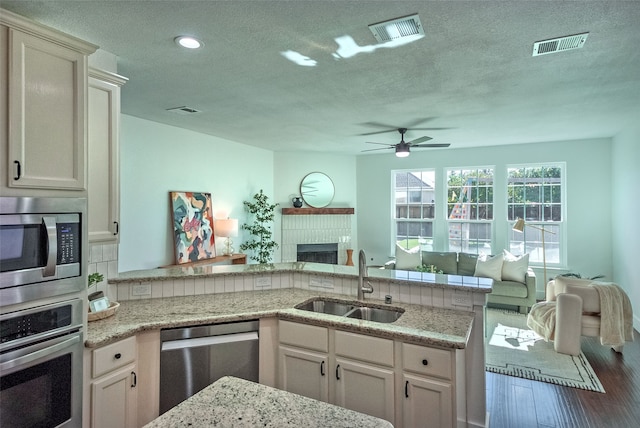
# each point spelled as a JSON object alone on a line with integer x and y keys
{"x": 227, "y": 227}
{"x": 519, "y": 226}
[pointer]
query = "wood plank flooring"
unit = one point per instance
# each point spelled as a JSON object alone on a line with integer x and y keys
{"x": 522, "y": 403}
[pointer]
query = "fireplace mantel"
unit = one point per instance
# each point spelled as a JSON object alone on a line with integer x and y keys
{"x": 317, "y": 211}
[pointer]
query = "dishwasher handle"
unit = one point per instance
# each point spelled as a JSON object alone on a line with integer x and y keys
{"x": 209, "y": 340}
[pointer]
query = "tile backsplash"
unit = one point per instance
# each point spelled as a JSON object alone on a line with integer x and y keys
{"x": 315, "y": 229}
{"x": 103, "y": 258}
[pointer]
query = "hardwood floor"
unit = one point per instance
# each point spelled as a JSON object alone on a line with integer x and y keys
{"x": 522, "y": 403}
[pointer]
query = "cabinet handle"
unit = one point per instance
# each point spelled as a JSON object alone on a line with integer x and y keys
{"x": 425, "y": 362}
{"x": 338, "y": 372}
{"x": 117, "y": 356}
{"x": 18, "y": 170}
{"x": 406, "y": 389}
{"x": 135, "y": 380}
{"x": 322, "y": 368}
{"x": 117, "y": 228}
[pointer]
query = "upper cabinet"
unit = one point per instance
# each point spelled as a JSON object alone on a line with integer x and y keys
{"x": 103, "y": 147}
{"x": 46, "y": 104}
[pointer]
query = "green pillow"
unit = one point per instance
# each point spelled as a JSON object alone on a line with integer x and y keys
{"x": 446, "y": 262}
{"x": 467, "y": 264}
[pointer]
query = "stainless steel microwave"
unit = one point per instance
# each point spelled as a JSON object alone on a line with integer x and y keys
{"x": 41, "y": 248}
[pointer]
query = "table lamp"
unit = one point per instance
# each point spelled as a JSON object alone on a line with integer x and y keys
{"x": 227, "y": 228}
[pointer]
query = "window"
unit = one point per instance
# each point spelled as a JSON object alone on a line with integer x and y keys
{"x": 414, "y": 208}
{"x": 470, "y": 210}
{"x": 535, "y": 195}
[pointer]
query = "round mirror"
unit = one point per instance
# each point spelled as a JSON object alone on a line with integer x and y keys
{"x": 317, "y": 190}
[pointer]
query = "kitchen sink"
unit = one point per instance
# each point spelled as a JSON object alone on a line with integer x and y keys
{"x": 355, "y": 310}
{"x": 326, "y": 307}
{"x": 375, "y": 314}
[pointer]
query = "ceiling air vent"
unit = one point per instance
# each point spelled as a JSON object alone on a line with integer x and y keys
{"x": 183, "y": 110}
{"x": 397, "y": 28}
{"x": 560, "y": 44}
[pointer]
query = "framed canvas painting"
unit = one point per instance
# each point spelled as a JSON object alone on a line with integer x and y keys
{"x": 193, "y": 234}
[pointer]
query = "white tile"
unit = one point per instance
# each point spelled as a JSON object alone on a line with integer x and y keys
{"x": 123, "y": 292}
{"x": 167, "y": 288}
{"x": 189, "y": 286}
{"x": 248, "y": 284}
{"x": 112, "y": 269}
{"x": 218, "y": 285}
{"x": 438, "y": 297}
{"x": 209, "y": 285}
{"x": 96, "y": 253}
{"x": 156, "y": 289}
{"x": 285, "y": 280}
{"x": 426, "y": 297}
{"x": 405, "y": 293}
{"x": 109, "y": 253}
{"x": 229, "y": 284}
{"x": 198, "y": 286}
{"x": 178, "y": 287}
{"x": 416, "y": 297}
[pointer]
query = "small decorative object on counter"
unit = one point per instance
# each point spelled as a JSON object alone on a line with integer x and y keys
{"x": 297, "y": 202}
{"x": 349, "y": 257}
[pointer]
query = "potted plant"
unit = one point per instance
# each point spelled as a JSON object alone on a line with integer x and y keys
{"x": 261, "y": 244}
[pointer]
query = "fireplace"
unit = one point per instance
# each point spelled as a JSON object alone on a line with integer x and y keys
{"x": 312, "y": 228}
{"x": 318, "y": 253}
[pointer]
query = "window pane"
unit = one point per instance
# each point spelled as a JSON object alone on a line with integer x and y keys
{"x": 414, "y": 202}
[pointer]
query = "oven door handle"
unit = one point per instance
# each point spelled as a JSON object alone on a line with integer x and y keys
{"x": 33, "y": 356}
{"x": 52, "y": 246}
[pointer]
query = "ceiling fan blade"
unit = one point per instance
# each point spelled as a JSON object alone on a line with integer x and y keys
{"x": 432, "y": 145}
{"x": 380, "y": 132}
{"x": 382, "y": 144}
{"x": 381, "y": 148}
{"x": 419, "y": 140}
{"x": 418, "y": 122}
{"x": 428, "y": 129}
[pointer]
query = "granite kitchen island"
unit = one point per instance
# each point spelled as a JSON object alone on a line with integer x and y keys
{"x": 232, "y": 402}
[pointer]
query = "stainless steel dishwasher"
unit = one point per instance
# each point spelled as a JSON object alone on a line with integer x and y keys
{"x": 192, "y": 358}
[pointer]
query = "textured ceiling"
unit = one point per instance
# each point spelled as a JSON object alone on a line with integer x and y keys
{"x": 473, "y": 72}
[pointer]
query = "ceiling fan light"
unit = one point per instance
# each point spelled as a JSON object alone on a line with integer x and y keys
{"x": 402, "y": 150}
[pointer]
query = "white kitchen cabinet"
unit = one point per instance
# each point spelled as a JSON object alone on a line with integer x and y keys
{"x": 352, "y": 376}
{"x": 47, "y": 99}
{"x": 303, "y": 360}
{"x": 103, "y": 154}
{"x": 364, "y": 375}
{"x": 428, "y": 387}
{"x": 114, "y": 392}
{"x": 304, "y": 372}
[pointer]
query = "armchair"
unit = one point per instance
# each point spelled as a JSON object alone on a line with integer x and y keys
{"x": 580, "y": 307}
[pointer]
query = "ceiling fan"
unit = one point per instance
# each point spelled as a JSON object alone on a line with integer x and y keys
{"x": 403, "y": 148}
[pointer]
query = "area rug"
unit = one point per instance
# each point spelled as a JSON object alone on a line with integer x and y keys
{"x": 513, "y": 349}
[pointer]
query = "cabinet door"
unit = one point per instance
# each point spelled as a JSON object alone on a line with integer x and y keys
{"x": 303, "y": 372}
{"x": 47, "y": 114}
{"x": 427, "y": 402}
{"x": 103, "y": 147}
{"x": 114, "y": 400}
{"x": 365, "y": 388}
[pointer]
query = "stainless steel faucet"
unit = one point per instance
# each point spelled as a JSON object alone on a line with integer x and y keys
{"x": 362, "y": 275}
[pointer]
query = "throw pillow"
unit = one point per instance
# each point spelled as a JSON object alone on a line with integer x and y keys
{"x": 407, "y": 259}
{"x": 467, "y": 264}
{"x": 515, "y": 268}
{"x": 489, "y": 267}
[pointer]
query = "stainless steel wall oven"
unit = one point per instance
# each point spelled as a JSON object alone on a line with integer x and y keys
{"x": 41, "y": 366}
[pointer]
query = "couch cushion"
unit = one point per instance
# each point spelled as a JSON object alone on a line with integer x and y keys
{"x": 509, "y": 288}
{"x": 446, "y": 262}
{"x": 489, "y": 267}
{"x": 515, "y": 268}
{"x": 407, "y": 259}
{"x": 467, "y": 264}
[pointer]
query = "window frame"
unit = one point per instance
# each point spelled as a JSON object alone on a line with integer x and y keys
{"x": 555, "y": 230}
{"x": 491, "y": 189}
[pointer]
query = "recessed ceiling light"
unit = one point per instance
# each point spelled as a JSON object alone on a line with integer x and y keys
{"x": 188, "y": 42}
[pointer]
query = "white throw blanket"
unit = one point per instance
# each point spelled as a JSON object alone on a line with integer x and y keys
{"x": 616, "y": 314}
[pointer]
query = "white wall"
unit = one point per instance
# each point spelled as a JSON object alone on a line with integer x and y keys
{"x": 290, "y": 168}
{"x": 626, "y": 207}
{"x": 156, "y": 159}
{"x": 588, "y": 215}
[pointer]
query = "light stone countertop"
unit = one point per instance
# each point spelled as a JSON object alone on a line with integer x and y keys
{"x": 422, "y": 325}
{"x": 465, "y": 283}
{"x": 232, "y": 402}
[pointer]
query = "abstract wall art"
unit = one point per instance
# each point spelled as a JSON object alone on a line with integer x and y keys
{"x": 193, "y": 232}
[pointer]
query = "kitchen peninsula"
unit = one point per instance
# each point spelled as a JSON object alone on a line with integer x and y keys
{"x": 442, "y": 313}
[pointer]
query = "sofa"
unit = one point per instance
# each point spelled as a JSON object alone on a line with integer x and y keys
{"x": 514, "y": 283}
